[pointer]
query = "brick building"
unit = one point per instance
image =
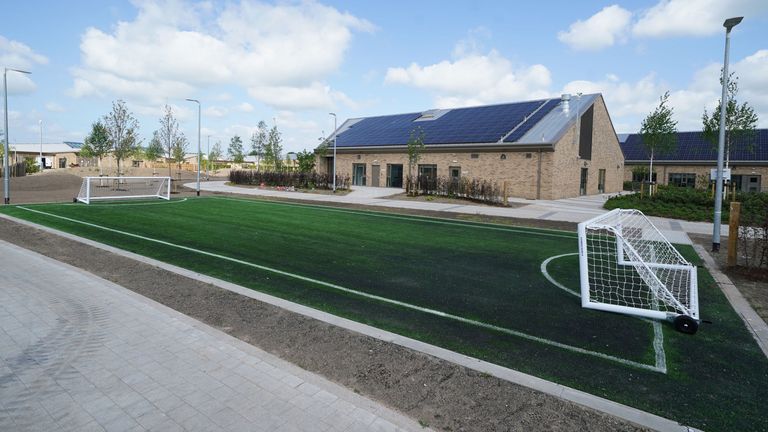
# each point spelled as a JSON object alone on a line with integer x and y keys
{"x": 55, "y": 155}
{"x": 542, "y": 149}
{"x": 693, "y": 158}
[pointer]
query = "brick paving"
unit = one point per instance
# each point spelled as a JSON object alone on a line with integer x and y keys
{"x": 80, "y": 353}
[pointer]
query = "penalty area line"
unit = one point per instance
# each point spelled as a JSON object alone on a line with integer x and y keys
{"x": 361, "y": 294}
{"x": 658, "y": 335}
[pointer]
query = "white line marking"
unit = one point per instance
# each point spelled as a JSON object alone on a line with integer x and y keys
{"x": 658, "y": 335}
{"x": 118, "y": 204}
{"x": 429, "y": 219}
{"x": 363, "y": 294}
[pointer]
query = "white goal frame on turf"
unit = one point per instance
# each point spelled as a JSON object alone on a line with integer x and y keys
{"x": 112, "y": 188}
{"x": 628, "y": 266}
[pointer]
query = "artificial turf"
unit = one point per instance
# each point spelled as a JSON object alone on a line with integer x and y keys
{"x": 487, "y": 273}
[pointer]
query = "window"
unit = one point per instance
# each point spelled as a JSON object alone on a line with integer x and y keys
{"x": 528, "y": 155}
{"x": 429, "y": 171}
{"x": 136, "y": 163}
{"x": 62, "y": 162}
{"x": 641, "y": 176}
{"x": 427, "y": 178}
{"x": 585, "y": 134}
{"x": 503, "y": 156}
{"x": 601, "y": 181}
{"x": 474, "y": 156}
{"x": 682, "y": 179}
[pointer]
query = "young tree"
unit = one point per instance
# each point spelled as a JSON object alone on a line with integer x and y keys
{"x": 658, "y": 132}
{"x": 740, "y": 122}
{"x": 168, "y": 134}
{"x": 180, "y": 145}
{"x": 236, "y": 149}
{"x": 415, "y": 148}
{"x": 122, "y": 130}
{"x": 306, "y": 161}
{"x": 274, "y": 148}
{"x": 154, "y": 150}
{"x": 96, "y": 144}
{"x": 259, "y": 142}
{"x": 215, "y": 153}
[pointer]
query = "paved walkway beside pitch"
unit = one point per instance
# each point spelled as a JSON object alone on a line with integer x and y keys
{"x": 568, "y": 210}
{"x": 80, "y": 353}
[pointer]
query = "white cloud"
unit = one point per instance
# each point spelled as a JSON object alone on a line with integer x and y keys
{"x": 54, "y": 107}
{"x": 692, "y": 17}
{"x": 244, "y": 107}
{"x": 599, "y": 31}
{"x": 474, "y": 79}
{"x": 214, "y": 111}
{"x": 17, "y": 55}
{"x": 173, "y": 48}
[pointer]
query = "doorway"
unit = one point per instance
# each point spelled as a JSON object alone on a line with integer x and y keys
{"x": 601, "y": 181}
{"x": 358, "y": 174}
{"x": 395, "y": 175}
{"x": 583, "y": 182}
{"x": 375, "y": 173}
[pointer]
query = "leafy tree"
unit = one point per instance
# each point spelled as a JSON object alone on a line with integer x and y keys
{"x": 259, "y": 142}
{"x": 168, "y": 134}
{"x": 236, "y": 149}
{"x": 215, "y": 153}
{"x": 306, "y": 161}
{"x": 97, "y": 143}
{"x": 415, "y": 148}
{"x": 740, "y": 122}
{"x": 658, "y": 132}
{"x": 274, "y": 148}
{"x": 122, "y": 130}
{"x": 154, "y": 150}
{"x": 180, "y": 145}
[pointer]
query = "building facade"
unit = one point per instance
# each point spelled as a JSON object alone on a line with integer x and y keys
{"x": 693, "y": 157}
{"x": 546, "y": 149}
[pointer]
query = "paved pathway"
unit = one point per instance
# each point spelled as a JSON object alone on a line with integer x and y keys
{"x": 80, "y": 353}
{"x": 568, "y": 210}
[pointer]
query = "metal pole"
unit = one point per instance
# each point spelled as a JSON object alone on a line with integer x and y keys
{"x": 208, "y": 157}
{"x": 334, "y": 151}
{"x": 40, "y": 122}
{"x": 6, "y": 174}
{"x": 198, "y": 143}
{"x": 729, "y": 24}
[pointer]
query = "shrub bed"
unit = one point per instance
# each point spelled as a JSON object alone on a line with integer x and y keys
{"x": 477, "y": 190}
{"x": 298, "y": 180}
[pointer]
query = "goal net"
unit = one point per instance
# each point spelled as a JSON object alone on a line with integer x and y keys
{"x": 109, "y": 188}
{"x": 628, "y": 266}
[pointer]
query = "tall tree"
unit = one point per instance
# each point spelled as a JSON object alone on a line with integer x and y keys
{"x": 96, "y": 144}
{"x": 658, "y": 132}
{"x": 122, "y": 130}
{"x": 275, "y": 146}
{"x": 306, "y": 161}
{"x": 740, "y": 122}
{"x": 259, "y": 142}
{"x": 415, "y": 148}
{"x": 236, "y": 149}
{"x": 154, "y": 150}
{"x": 168, "y": 134}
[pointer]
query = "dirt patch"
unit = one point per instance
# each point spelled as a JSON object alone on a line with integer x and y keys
{"x": 438, "y": 393}
{"x": 754, "y": 291}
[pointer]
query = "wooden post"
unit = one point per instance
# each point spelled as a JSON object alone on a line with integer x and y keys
{"x": 504, "y": 193}
{"x": 733, "y": 234}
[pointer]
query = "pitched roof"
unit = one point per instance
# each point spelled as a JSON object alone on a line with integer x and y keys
{"x": 538, "y": 122}
{"x": 694, "y": 147}
{"x": 63, "y": 147}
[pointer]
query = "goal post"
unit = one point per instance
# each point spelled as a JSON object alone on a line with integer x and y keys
{"x": 112, "y": 188}
{"x": 628, "y": 266}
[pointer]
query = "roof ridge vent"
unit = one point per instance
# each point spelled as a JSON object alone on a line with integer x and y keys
{"x": 432, "y": 114}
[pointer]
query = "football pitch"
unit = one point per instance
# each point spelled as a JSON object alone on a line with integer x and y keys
{"x": 504, "y": 294}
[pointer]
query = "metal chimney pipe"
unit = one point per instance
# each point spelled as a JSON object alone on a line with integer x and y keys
{"x": 566, "y": 102}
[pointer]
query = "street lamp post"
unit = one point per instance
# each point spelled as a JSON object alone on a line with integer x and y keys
{"x": 729, "y": 24}
{"x": 207, "y": 158}
{"x": 198, "y": 143}
{"x": 40, "y": 122}
{"x": 334, "y": 151}
{"x": 6, "y": 174}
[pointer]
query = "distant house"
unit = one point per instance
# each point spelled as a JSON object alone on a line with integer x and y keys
{"x": 548, "y": 149}
{"x": 694, "y": 157}
{"x": 55, "y": 155}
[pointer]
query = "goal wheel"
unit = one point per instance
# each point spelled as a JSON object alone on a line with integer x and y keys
{"x": 685, "y": 324}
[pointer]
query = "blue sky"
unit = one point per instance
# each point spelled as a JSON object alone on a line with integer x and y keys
{"x": 293, "y": 62}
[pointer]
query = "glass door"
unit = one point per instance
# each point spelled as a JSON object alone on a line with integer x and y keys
{"x": 358, "y": 174}
{"x": 583, "y": 182}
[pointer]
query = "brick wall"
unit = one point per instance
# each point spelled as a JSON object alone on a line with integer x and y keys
{"x": 662, "y": 172}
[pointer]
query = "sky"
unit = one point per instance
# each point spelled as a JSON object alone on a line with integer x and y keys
{"x": 291, "y": 63}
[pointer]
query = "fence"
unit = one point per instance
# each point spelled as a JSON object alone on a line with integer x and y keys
{"x": 300, "y": 180}
{"x": 471, "y": 189}
{"x": 18, "y": 169}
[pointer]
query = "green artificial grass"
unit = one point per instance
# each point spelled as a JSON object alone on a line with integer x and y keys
{"x": 486, "y": 273}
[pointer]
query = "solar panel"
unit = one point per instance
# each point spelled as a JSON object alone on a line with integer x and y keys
{"x": 532, "y": 120}
{"x": 486, "y": 124}
{"x": 693, "y": 146}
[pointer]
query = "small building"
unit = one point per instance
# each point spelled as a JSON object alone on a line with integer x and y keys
{"x": 55, "y": 155}
{"x": 691, "y": 161}
{"x": 542, "y": 149}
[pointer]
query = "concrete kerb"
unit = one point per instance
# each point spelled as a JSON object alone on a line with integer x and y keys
{"x": 752, "y": 320}
{"x": 625, "y": 412}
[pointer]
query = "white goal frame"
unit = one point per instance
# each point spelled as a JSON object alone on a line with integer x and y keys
{"x": 643, "y": 262}
{"x": 113, "y": 187}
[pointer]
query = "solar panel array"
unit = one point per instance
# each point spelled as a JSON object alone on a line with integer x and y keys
{"x": 693, "y": 146}
{"x": 532, "y": 120}
{"x": 485, "y": 124}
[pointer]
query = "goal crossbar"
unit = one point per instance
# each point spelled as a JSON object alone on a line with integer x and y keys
{"x": 628, "y": 266}
{"x": 115, "y": 188}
